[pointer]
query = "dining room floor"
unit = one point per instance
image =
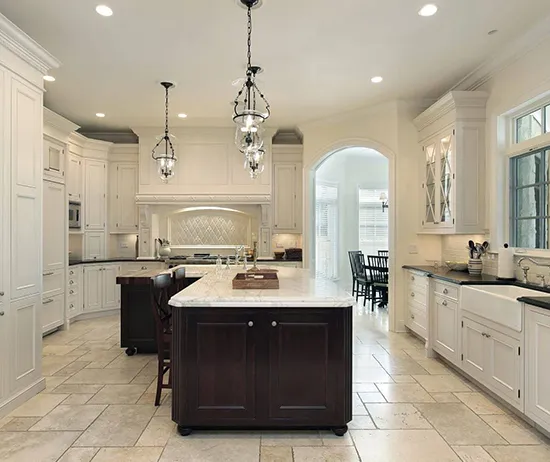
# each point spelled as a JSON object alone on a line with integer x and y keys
{"x": 98, "y": 406}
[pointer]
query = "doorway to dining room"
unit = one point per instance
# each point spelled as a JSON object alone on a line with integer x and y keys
{"x": 351, "y": 188}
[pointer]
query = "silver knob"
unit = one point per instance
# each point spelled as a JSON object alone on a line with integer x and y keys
{"x": 274, "y": 323}
{"x": 71, "y": 272}
{"x": 487, "y": 335}
{"x": 1, "y": 313}
{"x": 445, "y": 291}
{"x": 444, "y": 303}
{"x": 250, "y": 323}
{"x": 71, "y": 291}
{"x": 71, "y": 282}
{"x": 71, "y": 306}
{"x": 2, "y": 294}
{"x": 412, "y": 294}
{"x": 412, "y": 316}
{"x": 412, "y": 278}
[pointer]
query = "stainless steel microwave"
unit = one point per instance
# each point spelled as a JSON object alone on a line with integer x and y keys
{"x": 74, "y": 215}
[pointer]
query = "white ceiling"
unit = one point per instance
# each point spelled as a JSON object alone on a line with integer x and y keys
{"x": 318, "y": 55}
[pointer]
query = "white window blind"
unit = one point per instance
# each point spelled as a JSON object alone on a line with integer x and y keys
{"x": 326, "y": 230}
{"x": 373, "y": 222}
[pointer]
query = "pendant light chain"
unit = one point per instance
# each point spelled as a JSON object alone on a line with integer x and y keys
{"x": 249, "y": 42}
{"x": 166, "y": 114}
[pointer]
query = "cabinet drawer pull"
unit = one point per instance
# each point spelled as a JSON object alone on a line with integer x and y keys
{"x": 274, "y": 323}
{"x": 412, "y": 316}
{"x": 71, "y": 272}
{"x": 412, "y": 294}
{"x": 71, "y": 306}
{"x": 444, "y": 303}
{"x": 47, "y": 274}
{"x": 71, "y": 282}
{"x": 250, "y": 323}
{"x": 445, "y": 291}
{"x": 48, "y": 301}
{"x": 71, "y": 292}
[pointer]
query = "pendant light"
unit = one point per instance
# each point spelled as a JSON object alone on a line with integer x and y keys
{"x": 163, "y": 152}
{"x": 254, "y": 162}
{"x": 251, "y": 108}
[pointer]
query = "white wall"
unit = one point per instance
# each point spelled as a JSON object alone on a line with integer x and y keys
{"x": 350, "y": 169}
{"x": 387, "y": 128}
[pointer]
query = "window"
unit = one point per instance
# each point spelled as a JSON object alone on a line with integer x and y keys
{"x": 531, "y": 125}
{"x": 373, "y": 222}
{"x": 529, "y": 201}
{"x": 326, "y": 230}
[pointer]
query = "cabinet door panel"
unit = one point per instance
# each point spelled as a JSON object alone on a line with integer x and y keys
{"x": 537, "y": 380}
{"x": 94, "y": 245}
{"x": 54, "y": 161}
{"x": 503, "y": 365}
{"x": 95, "y": 184}
{"x": 284, "y": 197}
{"x": 93, "y": 291}
{"x": 304, "y": 367}
{"x": 54, "y": 217}
{"x": 126, "y": 197}
{"x": 221, "y": 378}
{"x": 474, "y": 357}
{"x": 111, "y": 290}
{"x": 74, "y": 178}
{"x": 445, "y": 328}
{"x": 53, "y": 312}
{"x": 4, "y": 227}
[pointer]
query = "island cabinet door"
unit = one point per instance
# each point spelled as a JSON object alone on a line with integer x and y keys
{"x": 221, "y": 367}
{"x": 308, "y": 366}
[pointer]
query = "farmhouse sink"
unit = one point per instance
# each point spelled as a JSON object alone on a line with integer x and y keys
{"x": 497, "y": 303}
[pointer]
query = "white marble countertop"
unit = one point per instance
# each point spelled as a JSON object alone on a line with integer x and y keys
{"x": 297, "y": 288}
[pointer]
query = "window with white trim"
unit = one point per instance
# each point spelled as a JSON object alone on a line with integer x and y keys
{"x": 326, "y": 230}
{"x": 533, "y": 124}
{"x": 373, "y": 222}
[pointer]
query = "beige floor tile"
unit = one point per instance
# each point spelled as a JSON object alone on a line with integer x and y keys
{"x": 361, "y": 422}
{"x": 397, "y": 416}
{"x": 330, "y": 439}
{"x": 473, "y": 454}
{"x": 519, "y": 453}
{"x": 52, "y": 364}
{"x": 458, "y": 424}
{"x": 129, "y": 362}
{"x": 118, "y": 425}
{"x": 100, "y": 355}
{"x": 79, "y": 455}
{"x": 102, "y": 376}
{"x": 365, "y": 361}
{"x": 71, "y": 369}
{"x": 404, "y": 393}
{"x": 52, "y": 383}
{"x": 326, "y": 454}
{"x": 368, "y": 349}
{"x": 400, "y": 365}
{"x": 375, "y": 397}
{"x": 39, "y": 405}
{"x": 18, "y": 424}
{"x": 371, "y": 374}
{"x": 294, "y": 439}
{"x": 478, "y": 403}
{"x": 441, "y": 383}
{"x": 507, "y": 427}
{"x": 79, "y": 398}
{"x": 213, "y": 447}
{"x": 416, "y": 353}
{"x": 445, "y": 397}
{"x": 164, "y": 410}
{"x": 365, "y": 387}
{"x": 157, "y": 432}
{"x": 35, "y": 446}
{"x": 433, "y": 366}
{"x": 403, "y": 379}
{"x": 69, "y": 418}
{"x": 275, "y": 454}
{"x": 144, "y": 379}
{"x": 98, "y": 364}
{"x": 149, "y": 398}
{"x": 402, "y": 446}
{"x": 78, "y": 388}
{"x": 128, "y": 454}
{"x": 57, "y": 350}
{"x": 118, "y": 394}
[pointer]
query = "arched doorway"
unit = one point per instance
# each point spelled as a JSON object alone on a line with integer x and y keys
{"x": 352, "y": 158}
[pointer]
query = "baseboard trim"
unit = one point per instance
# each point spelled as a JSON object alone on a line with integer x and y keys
{"x": 95, "y": 314}
{"x": 22, "y": 396}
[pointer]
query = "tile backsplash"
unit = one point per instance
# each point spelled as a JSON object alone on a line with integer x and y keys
{"x": 285, "y": 241}
{"x": 454, "y": 247}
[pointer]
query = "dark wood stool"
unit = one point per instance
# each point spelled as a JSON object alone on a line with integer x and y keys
{"x": 179, "y": 279}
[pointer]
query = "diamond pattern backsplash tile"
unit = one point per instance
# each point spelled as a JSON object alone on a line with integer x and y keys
{"x": 203, "y": 227}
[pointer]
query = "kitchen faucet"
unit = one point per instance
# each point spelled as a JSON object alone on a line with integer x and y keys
{"x": 525, "y": 269}
{"x": 239, "y": 248}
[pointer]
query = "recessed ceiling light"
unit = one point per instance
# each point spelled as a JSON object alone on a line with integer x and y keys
{"x": 492, "y": 32}
{"x": 428, "y": 10}
{"x": 100, "y": 114}
{"x": 49, "y": 78}
{"x": 377, "y": 79}
{"x": 104, "y": 10}
{"x": 182, "y": 115}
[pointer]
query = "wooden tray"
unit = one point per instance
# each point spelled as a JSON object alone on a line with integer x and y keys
{"x": 256, "y": 281}
{"x": 262, "y": 270}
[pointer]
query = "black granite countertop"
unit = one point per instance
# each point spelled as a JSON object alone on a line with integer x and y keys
{"x": 458, "y": 277}
{"x": 75, "y": 261}
{"x": 541, "y": 302}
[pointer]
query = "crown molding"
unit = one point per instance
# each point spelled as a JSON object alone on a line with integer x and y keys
{"x": 54, "y": 120}
{"x": 88, "y": 143}
{"x": 449, "y": 102}
{"x": 19, "y": 43}
{"x": 168, "y": 199}
{"x": 507, "y": 55}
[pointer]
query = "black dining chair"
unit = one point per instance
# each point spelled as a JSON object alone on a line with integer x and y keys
{"x": 379, "y": 272}
{"x": 383, "y": 253}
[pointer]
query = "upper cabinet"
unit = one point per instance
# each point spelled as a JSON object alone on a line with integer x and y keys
{"x": 287, "y": 188}
{"x": 124, "y": 183}
{"x": 74, "y": 177}
{"x": 54, "y": 160}
{"x": 452, "y": 135}
{"x": 95, "y": 194}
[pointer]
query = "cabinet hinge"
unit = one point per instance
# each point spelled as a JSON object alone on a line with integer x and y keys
{"x": 454, "y": 131}
{"x": 462, "y": 357}
{"x": 462, "y": 323}
{"x": 519, "y": 351}
{"x": 519, "y": 393}
{"x": 453, "y": 221}
{"x": 117, "y": 225}
{"x": 422, "y": 185}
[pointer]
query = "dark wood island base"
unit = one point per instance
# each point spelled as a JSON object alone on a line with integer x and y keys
{"x": 262, "y": 368}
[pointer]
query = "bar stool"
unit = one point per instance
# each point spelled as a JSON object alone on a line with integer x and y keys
{"x": 162, "y": 313}
{"x": 179, "y": 279}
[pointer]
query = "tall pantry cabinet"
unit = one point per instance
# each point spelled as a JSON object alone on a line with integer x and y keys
{"x": 22, "y": 64}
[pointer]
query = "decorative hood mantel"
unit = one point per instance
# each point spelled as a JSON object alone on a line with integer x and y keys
{"x": 198, "y": 199}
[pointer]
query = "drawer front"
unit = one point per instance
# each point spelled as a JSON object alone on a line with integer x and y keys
{"x": 417, "y": 320}
{"x": 417, "y": 296}
{"x": 53, "y": 283}
{"x": 53, "y": 309}
{"x": 446, "y": 290}
{"x": 73, "y": 306}
{"x": 73, "y": 291}
{"x": 416, "y": 280}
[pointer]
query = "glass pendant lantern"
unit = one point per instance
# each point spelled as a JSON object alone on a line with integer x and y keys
{"x": 163, "y": 152}
{"x": 254, "y": 162}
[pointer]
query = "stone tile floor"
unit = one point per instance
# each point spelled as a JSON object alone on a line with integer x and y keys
{"x": 98, "y": 406}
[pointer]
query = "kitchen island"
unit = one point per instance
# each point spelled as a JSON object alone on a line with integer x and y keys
{"x": 276, "y": 359}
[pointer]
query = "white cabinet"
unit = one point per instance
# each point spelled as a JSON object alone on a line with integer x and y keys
{"x": 94, "y": 245}
{"x": 444, "y": 329}
{"x": 54, "y": 160}
{"x": 124, "y": 211}
{"x": 53, "y": 312}
{"x": 54, "y": 219}
{"x": 101, "y": 291}
{"x": 452, "y": 134}
{"x": 537, "y": 378}
{"x": 5, "y": 174}
{"x": 95, "y": 184}
{"x": 287, "y": 197}
{"x": 74, "y": 178}
{"x": 473, "y": 357}
{"x": 417, "y": 303}
{"x": 74, "y": 291}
